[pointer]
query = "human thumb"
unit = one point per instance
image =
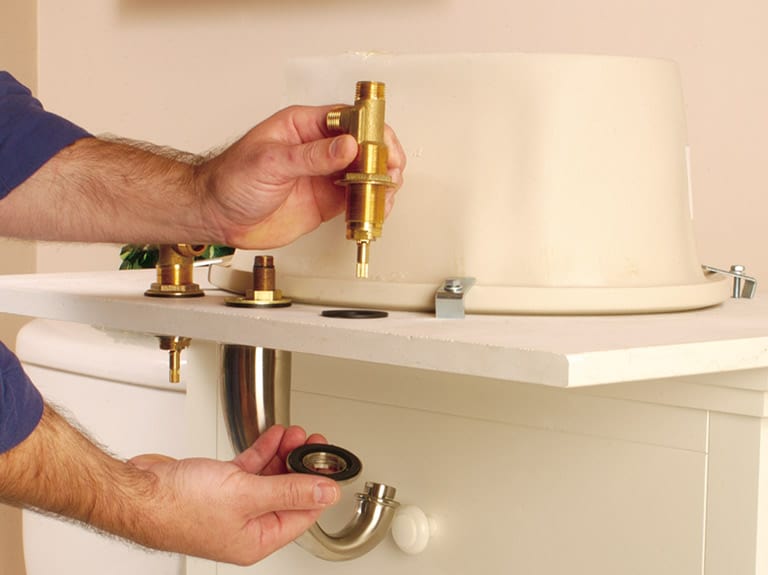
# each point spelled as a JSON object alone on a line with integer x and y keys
{"x": 320, "y": 157}
{"x": 296, "y": 491}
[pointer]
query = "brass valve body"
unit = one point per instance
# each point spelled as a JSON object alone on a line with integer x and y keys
{"x": 366, "y": 179}
{"x": 175, "y": 271}
{"x": 264, "y": 293}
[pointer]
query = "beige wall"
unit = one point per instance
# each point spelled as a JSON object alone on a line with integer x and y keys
{"x": 17, "y": 54}
{"x": 18, "y": 40}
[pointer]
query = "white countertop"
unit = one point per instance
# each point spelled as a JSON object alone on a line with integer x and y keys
{"x": 566, "y": 351}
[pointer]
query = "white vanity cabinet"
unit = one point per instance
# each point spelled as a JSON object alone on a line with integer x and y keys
{"x": 650, "y": 477}
{"x": 538, "y": 445}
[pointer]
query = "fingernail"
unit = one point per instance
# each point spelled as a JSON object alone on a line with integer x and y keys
{"x": 326, "y": 493}
{"x": 336, "y": 146}
{"x": 396, "y": 174}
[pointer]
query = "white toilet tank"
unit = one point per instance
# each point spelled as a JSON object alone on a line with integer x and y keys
{"x": 116, "y": 386}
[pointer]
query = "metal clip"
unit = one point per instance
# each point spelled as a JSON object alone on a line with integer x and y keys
{"x": 449, "y": 298}
{"x": 744, "y": 286}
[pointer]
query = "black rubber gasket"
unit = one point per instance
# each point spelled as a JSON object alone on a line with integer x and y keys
{"x": 295, "y": 461}
{"x": 354, "y": 313}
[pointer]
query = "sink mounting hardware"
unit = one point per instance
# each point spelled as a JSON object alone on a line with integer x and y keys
{"x": 744, "y": 286}
{"x": 449, "y": 297}
{"x": 263, "y": 292}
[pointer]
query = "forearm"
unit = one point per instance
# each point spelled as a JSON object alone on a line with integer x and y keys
{"x": 224, "y": 511}
{"x": 57, "y": 469}
{"x": 105, "y": 191}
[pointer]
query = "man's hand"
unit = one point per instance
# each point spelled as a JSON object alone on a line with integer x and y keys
{"x": 263, "y": 191}
{"x": 237, "y": 511}
{"x": 276, "y": 183}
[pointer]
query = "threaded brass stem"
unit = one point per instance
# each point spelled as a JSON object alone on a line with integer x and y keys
{"x": 333, "y": 120}
{"x": 369, "y": 91}
{"x": 263, "y": 273}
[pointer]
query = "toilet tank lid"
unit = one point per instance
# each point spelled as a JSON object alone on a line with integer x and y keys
{"x": 123, "y": 357}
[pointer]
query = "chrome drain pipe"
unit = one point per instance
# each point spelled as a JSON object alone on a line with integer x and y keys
{"x": 256, "y": 389}
{"x": 369, "y": 526}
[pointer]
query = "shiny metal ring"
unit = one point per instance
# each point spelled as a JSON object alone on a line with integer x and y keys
{"x": 327, "y": 460}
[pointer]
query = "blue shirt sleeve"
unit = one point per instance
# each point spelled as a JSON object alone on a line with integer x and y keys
{"x": 29, "y": 136}
{"x": 21, "y": 405}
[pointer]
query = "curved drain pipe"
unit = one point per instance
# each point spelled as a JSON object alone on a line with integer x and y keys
{"x": 256, "y": 390}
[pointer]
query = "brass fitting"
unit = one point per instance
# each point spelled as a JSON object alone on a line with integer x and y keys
{"x": 263, "y": 293}
{"x": 174, "y": 344}
{"x": 175, "y": 278}
{"x": 175, "y": 271}
{"x": 366, "y": 179}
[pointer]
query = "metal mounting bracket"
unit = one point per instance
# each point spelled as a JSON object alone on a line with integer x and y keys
{"x": 744, "y": 286}
{"x": 449, "y": 298}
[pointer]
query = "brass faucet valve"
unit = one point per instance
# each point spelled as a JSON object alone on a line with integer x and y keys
{"x": 175, "y": 278}
{"x": 175, "y": 271}
{"x": 173, "y": 344}
{"x": 263, "y": 293}
{"x": 366, "y": 179}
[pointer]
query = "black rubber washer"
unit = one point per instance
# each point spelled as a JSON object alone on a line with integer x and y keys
{"x": 352, "y": 465}
{"x": 354, "y": 313}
